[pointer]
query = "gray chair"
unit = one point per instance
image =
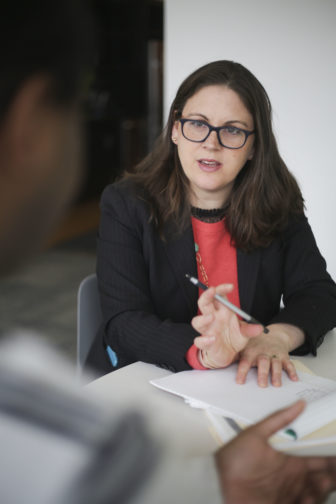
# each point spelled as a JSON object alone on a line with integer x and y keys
{"x": 89, "y": 318}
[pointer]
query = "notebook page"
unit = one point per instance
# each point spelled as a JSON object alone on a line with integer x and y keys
{"x": 248, "y": 403}
{"x": 318, "y": 413}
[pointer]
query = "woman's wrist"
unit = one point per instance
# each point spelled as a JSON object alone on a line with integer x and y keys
{"x": 291, "y": 336}
{"x": 206, "y": 361}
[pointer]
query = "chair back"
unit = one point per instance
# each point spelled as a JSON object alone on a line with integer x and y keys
{"x": 89, "y": 317}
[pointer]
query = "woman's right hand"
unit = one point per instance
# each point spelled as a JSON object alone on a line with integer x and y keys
{"x": 223, "y": 334}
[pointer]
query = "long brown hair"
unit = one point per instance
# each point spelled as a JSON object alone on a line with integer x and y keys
{"x": 264, "y": 193}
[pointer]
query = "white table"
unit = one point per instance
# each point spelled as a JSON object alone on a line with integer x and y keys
{"x": 129, "y": 387}
{"x": 168, "y": 415}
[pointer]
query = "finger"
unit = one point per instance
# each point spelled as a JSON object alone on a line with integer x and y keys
{"x": 263, "y": 364}
{"x": 321, "y": 483}
{"x": 204, "y": 342}
{"x": 250, "y": 330}
{"x": 279, "y": 420}
{"x": 202, "y": 322}
{"x": 244, "y": 367}
{"x": 290, "y": 370}
{"x": 321, "y": 464}
{"x": 224, "y": 289}
{"x": 276, "y": 366}
{"x": 206, "y": 301}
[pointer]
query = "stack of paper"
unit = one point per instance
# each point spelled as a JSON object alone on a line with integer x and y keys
{"x": 218, "y": 392}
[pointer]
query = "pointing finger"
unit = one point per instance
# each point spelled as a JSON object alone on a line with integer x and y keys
{"x": 204, "y": 342}
{"x": 205, "y": 301}
{"x": 202, "y": 322}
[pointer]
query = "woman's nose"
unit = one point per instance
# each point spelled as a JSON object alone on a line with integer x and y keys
{"x": 212, "y": 141}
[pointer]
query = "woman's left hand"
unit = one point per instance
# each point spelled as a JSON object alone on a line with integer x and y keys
{"x": 269, "y": 353}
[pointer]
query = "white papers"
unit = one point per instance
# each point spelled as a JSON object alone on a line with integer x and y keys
{"x": 217, "y": 391}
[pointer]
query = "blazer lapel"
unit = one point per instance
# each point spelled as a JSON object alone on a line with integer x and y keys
{"x": 248, "y": 266}
{"x": 181, "y": 255}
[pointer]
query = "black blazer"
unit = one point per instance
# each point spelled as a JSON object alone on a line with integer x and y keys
{"x": 148, "y": 304}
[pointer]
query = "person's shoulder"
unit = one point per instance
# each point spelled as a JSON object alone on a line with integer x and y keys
{"x": 124, "y": 188}
{"x": 125, "y": 197}
{"x": 292, "y": 227}
{"x": 56, "y": 413}
{"x": 295, "y": 223}
{"x": 298, "y": 229}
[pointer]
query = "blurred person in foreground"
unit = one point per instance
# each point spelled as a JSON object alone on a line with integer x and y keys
{"x": 57, "y": 445}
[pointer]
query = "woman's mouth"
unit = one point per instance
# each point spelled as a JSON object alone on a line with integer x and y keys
{"x": 209, "y": 165}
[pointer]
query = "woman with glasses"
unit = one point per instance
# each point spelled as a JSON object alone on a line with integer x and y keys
{"x": 213, "y": 200}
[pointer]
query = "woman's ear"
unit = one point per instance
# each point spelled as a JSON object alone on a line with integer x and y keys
{"x": 175, "y": 132}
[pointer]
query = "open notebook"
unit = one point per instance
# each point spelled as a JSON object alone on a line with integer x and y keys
{"x": 217, "y": 392}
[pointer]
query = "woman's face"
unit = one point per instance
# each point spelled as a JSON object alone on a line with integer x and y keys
{"x": 211, "y": 168}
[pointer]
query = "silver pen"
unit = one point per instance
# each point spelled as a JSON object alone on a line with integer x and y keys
{"x": 225, "y": 302}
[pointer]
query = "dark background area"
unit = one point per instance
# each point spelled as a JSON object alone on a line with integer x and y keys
{"x": 123, "y": 116}
{"x": 124, "y": 107}
{"x": 123, "y": 110}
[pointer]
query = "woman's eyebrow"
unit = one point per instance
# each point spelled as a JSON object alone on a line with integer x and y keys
{"x": 198, "y": 115}
{"x": 232, "y": 121}
{"x": 238, "y": 121}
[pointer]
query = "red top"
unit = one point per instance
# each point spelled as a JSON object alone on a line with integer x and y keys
{"x": 219, "y": 260}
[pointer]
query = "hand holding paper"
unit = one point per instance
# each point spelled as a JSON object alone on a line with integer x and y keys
{"x": 252, "y": 471}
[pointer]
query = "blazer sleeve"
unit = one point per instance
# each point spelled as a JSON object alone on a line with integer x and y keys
{"x": 137, "y": 292}
{"x": 309, "y": 293}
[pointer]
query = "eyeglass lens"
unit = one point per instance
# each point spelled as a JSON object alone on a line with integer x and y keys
{"x": 230, "y": 136}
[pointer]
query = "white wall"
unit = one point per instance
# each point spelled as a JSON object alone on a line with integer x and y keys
{"x": 290, "y": 46}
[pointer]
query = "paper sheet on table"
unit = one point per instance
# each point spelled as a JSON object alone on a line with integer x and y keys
{"x": 217, "y": 391}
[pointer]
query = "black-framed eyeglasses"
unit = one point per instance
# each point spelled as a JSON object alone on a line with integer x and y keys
{"x": 228, "y": 136}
